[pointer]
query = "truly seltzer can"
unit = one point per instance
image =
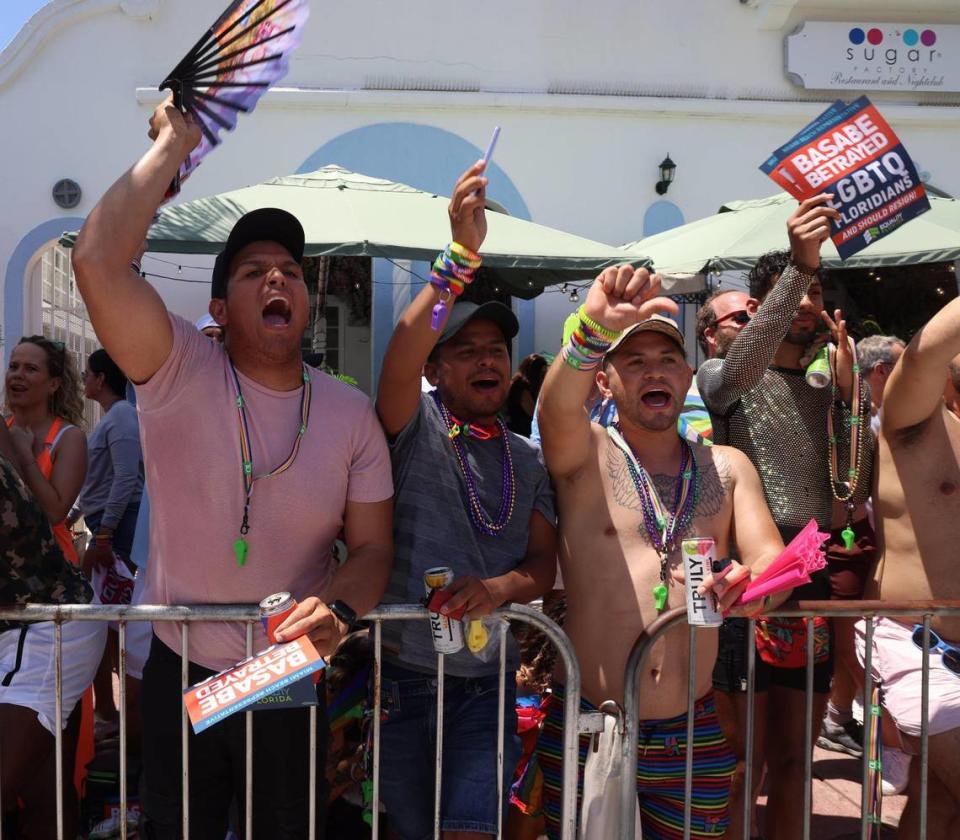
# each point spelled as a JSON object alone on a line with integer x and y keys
{"x": 698, "y": 556}
{"x": 273, "y": 611}
{"x": 447, "y": 632}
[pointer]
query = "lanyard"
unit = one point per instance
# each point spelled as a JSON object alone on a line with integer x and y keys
{"x": 240, "y": 546}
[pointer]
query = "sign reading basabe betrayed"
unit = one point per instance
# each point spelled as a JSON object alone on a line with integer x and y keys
{"x": 852, "y": 152}
{"x": 228, "y": 692}
{"x": 874, "y": 56}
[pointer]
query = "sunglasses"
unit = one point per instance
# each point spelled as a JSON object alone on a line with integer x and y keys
{"x": 950, "y": 654}
{"x": 741, "y": 317}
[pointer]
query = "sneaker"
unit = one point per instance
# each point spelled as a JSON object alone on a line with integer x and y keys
{"x": 846, "y": 737}
{"x": 896, "y": 771}
{"x": 109, "y": 829}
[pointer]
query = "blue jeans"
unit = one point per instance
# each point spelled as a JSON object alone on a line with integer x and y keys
{"x": 468, "y": 793}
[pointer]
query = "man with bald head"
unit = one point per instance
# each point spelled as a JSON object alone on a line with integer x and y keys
{"x": 720, "y": 319}
{"x": 917, "y": 509}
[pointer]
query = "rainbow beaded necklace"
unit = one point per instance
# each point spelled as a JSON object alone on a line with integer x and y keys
{"x": 240, "y": 546}
{"x": 663, "y": 526}
{"x": 843, "y": 491}
{"x": 481, "y": 521}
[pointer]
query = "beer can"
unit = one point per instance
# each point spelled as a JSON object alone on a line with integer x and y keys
{"x": 447, "y": 632}
{"x": 698, "y": 555}
{"x": 818, "y": 371}
{"x": 273, "y": 611}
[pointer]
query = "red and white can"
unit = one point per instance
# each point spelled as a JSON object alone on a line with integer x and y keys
{"x": 274, "y": 610}
{"x": 447, "y": 632}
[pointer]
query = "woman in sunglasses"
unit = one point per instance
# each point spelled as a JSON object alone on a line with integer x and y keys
{"x": 45, "y": 402}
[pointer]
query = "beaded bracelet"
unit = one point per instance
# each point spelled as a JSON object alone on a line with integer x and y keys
{"x": 452, "y": 272}
{"x": 588, "y": 343}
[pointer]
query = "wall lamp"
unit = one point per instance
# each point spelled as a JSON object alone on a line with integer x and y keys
{"x": 667, "y": 170}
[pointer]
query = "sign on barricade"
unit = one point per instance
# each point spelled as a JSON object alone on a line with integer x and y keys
{"x": 232, "y": 690}
{"x": 852, "y": 152}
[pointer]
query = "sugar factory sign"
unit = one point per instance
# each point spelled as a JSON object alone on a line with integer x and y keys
{"x": 874, "y": 56}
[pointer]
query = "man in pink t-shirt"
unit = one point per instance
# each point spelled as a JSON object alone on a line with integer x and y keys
{"x": 254, "y": 463}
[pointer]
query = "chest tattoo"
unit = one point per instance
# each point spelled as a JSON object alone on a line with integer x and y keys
{"x": 715, "y": 481}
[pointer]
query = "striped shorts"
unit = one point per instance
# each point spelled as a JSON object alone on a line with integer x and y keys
{"x": 661, "y": 767}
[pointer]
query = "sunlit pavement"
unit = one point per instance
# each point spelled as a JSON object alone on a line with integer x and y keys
{"x": 836, "y": 799}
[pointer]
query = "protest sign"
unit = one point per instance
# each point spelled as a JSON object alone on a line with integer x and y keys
{"x": 852, "y": 152}
{"x": 230, "y": 691}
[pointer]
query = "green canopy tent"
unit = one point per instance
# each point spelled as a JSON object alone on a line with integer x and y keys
{"x": 743, "y": 230}
{"x": 348, "y": 214}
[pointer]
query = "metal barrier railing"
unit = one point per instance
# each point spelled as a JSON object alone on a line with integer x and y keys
{"x": 807, "y": 610}
{"x": 250, "y": 615}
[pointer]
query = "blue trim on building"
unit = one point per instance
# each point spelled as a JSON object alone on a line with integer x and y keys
{"x": 15, "y": 279}
{"x": 661, "y": 216}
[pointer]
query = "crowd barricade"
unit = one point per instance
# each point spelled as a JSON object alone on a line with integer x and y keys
{"x": 807, "y": 610}
{"x": 574, "y": 722}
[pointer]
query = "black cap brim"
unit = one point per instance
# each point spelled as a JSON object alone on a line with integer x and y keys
{"x": 492, "y": 310}
{"x": 268, "y": 224}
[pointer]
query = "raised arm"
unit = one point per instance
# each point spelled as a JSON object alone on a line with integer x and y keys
{"x": 915, "y": 388}
{"x": 618, "y": 298}
{"x": 127, "y": 313}
{"x": 398, "y": 393}
{"x": 722, "y": 382}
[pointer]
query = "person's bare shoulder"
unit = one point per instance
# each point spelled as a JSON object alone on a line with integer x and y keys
{"x": 717, "y": 475}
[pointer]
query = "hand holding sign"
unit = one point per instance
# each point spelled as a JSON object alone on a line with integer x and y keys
{"x": 853, "y": 153}
{"x": 623, "y": 296}
{"x": 808, "y": 228}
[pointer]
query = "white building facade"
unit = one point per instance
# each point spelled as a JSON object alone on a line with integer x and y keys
{"x": 590, "y": 96}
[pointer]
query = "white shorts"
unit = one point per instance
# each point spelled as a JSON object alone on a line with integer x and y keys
{"x": 897, "y": 664}
{"x": 28, "y": 666}
{"x": 139, "y": 633}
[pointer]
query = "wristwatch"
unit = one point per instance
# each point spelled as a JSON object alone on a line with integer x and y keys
{"x": 343, "y": 611}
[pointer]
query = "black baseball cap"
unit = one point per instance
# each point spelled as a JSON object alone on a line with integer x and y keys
{"x": 268, "y": 224}
{"x": 492, "y": 310}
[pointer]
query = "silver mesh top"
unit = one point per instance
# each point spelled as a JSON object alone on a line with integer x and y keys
{"x": 777, "y": 419}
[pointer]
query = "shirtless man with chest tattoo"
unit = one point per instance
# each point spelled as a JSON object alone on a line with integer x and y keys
{"x": 612, "y": 552}
{"x": 917, "y": 509}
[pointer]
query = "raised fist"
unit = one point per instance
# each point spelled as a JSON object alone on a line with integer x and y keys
{"x": 167, "y": 122}
{"x": 623, "y": 296}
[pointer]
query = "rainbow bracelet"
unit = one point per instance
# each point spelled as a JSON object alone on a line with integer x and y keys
{"x": 452, "y": 272}
{"x": 588, "y": 343}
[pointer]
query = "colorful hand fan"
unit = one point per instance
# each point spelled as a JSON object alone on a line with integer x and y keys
{"x": 232, "y": 66}
{"x": 792, "y": 568}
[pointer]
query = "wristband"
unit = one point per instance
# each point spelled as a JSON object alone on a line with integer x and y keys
{"x": 596, "y": 327}
{"x": 452, "y": 272}
{"x": 588, "y": 343}
{"x": 103, "y": 538}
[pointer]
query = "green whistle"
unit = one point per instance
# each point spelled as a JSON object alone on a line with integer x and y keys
{"x": 660, "y": 596}
{"x": 240, "y": 549}
{"x": 848, "y": 538}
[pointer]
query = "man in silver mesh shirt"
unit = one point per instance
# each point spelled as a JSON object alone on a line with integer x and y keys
{"x": 760, "y": 402}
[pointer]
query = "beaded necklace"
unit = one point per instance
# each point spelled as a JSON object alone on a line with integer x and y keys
{"x": 843, "y": 491}
{"x": 663, "y": 526}
{"x": 240, "y": 546}
{"x": 481, "y": 521}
